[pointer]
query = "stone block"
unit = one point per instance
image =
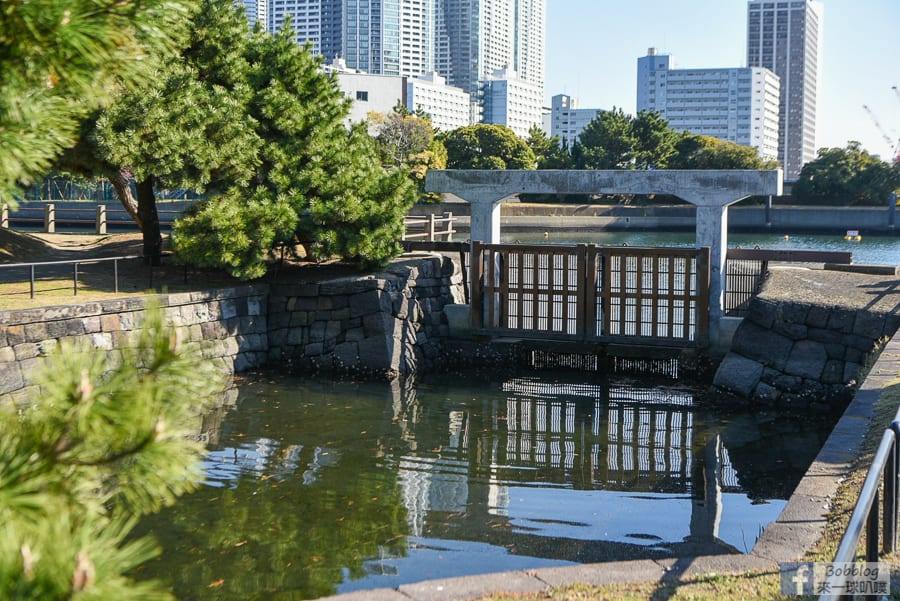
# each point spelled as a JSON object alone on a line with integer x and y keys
{"x": 365, "y": 303}
{"x": 313, "y": 349}
{"x": 351, "y": 286}
{"x": 835, "y": 351}
{"x": 15, "y": 335}
{"x": 299, "y": 319}
{"x": 793, "y": 384}
{"x": 824, "y": 335}
{"x": 26, "y": 350}
{"x": 354, "y": 335}
{"x": 377, "y": 324}
{"x": 11, "y": 378}
{"x": 861, "y": 343}
{"x": 342, "y": 314}
{"x": 37, "y": 331}
{"x": 332, "y": 330}
{"x": 762, "y": 312}
{"x": 868, "y": 325}
{"x": 346, "y": 355}
{"x": 794, "y": 313}
{"x": 818, "y": 317}
{"x": 807, "y": 360}
{"x": 297, "y": 336}
{"x": 762, "y": 345}
{"x": 324, "y": 303}
{"x": 851, "y": 371}
{"x": 833, "y": 372}
{"x": 842, "y": 320}
{"x": 794, "y": 331}
{"x": 854, "y": 355}
{"x": 766, "y": 394}
{"x": 738, "y": 374}
{"x": 317, "y": 331}
{"x": 228, "y": 309}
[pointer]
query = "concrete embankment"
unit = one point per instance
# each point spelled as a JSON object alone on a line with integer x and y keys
{"x": 518, "y": 216}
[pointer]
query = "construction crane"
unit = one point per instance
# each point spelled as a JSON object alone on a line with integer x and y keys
{"x": 894, "y": 145}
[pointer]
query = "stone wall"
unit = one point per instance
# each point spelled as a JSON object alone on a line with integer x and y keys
{"x": 382, "y": 324}
{"x": 229, "y": 325}
{"x": 807, "y": 339}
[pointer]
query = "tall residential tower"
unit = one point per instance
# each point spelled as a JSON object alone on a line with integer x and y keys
{"x": 785, "y": 38}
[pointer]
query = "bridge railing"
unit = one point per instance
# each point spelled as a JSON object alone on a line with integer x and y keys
{"x": 653, "y": 296}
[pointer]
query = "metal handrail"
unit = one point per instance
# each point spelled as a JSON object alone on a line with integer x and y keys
{"x": 869, "y": 507}
{"x": 75, "y": 263}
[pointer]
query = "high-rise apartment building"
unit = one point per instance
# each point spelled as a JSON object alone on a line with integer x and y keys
{"x": 477, "y": 37}
{"x": 447, "y": 106}
{"x": 735, "y": 104}
{"x": 389, "y": 37}
{"x": 785, "y": 37}
{"x": 511, "y": 101}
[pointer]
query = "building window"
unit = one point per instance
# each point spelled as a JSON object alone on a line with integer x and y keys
{"x": 362, "y": 95}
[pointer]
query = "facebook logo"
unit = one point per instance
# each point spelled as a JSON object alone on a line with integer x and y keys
{"x": 797, "y": 579}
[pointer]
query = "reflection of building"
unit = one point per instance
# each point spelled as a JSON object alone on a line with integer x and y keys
{"x": 735, "y": 104}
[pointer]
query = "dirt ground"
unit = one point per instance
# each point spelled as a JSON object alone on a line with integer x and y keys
{"x": 55, "y": 284}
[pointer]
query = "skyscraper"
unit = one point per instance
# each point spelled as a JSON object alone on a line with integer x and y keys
{"x": 389, "y": 37}
{"x": 477, "y": 37}
{"x": 785, "y": 38}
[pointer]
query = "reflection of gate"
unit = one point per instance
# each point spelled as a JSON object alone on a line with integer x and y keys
{"x": 654, "y": 296}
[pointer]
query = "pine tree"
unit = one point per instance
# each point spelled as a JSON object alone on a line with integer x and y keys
{"x": 318, "y": 184}
{"x": 61, "y": 60}
{"x": 87, "y": 455}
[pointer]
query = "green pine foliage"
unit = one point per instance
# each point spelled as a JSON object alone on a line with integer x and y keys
{"x": 61, "y": 60}
{"x": 487, "y": 146}
{"x": 317, "y": 183}
{"x": 88, "y": 454}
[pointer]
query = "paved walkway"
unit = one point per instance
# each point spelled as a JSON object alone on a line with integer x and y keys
{"x": 797, "y": 530}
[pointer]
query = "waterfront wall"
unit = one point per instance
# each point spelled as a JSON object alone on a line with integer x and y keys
{"x": 387, "y": 324}
{"x": 808, "y": 339}
{"x": 228, "y": 325}
{"x": 783, "y": 218}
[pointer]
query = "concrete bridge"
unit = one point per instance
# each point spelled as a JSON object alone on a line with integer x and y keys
{"x": 712, "y": 192}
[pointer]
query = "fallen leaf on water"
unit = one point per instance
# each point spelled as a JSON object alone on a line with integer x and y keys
{"x": 217, "y": 583}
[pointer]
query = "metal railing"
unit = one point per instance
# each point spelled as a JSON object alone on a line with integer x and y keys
{"x": 75, "y": 265}
{"x": 874, "y": 511}
{"x": 431, "y": 228}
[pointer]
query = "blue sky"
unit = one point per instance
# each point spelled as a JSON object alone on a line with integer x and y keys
{"x": 593, "y": 47}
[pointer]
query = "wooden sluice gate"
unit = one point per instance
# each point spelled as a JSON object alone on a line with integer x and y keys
{"x": 646, "y": 296}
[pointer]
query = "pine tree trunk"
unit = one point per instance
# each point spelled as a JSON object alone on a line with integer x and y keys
{"x": 149, "y": 219}
{"x": 121, "y": 183}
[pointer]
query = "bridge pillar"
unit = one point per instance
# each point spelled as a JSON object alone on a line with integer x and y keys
{"x": 484, "y": 224}
{"x": 712, "y": 231}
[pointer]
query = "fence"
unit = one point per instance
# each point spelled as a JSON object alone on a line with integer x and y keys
{"x": 100, "y": 217}
{"x": 656, "y": 296}
{"x": 875, "y": 512}
{"x": 429, "y": 227}
{"x": 75, "y": 265}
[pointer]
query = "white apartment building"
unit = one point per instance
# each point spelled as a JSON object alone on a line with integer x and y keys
{"x": 511, "y": 101}
{"x": 447, "y": 106}
{"x": 735, "y": 104}
{"x": 786, "y": 38}
{"x": 367, "y": 92}
{"x": 567, "y": 120}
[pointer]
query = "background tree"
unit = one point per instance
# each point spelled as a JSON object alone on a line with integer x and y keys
{"x": 695, "y": 151}
{"x": 400, "y": 134}
{"x": 87, "y": 455}
{"x": 846, "y": 176}
{"x": 317, "y": 183}
{"x": 654, "y": 141}
{"x": 487, "y": 146}
{"x": 549, "y": 152}
{"x": 608, "y": 141}
{"x": 61, "y": 60}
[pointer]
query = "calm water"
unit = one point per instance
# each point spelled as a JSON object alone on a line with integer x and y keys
{"x": 875, "y": 250}
{"x": 316, "y": 488}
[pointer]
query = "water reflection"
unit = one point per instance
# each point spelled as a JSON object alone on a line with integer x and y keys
{"x": 316, "y": 488}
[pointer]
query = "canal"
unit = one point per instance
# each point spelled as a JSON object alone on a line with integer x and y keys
{"x": 317, "y": 487}
{"x": 874, "y": 250}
